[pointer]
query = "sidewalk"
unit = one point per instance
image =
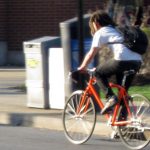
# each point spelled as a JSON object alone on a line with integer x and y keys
{"x": 14, "y": 112}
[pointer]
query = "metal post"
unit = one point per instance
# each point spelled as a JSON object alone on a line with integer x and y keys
{"x": 80, "y": 30}
{"x": 80, "y": 35}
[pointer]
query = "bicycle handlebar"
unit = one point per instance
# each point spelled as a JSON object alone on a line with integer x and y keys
{"x": 91, "y": 72}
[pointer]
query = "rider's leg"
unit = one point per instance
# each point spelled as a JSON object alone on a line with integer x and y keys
{"x": 129, "y": 79}
{"x": 103, "y": 72}
{"x": 111, "y": 67}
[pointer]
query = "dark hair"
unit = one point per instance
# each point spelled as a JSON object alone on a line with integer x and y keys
{"x": 102, "y": 18}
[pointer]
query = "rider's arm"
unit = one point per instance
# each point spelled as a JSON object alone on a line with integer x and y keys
{"x": 89, "y": 56}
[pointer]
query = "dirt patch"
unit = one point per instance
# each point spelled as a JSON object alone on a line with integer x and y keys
{"x": 142, "y": 79}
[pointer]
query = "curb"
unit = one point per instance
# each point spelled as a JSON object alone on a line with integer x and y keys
{"x": 12, "y": 69}
{"x": 51, "y": 122}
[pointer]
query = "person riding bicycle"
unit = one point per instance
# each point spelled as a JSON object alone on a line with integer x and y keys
{"x": 104, "y": 32}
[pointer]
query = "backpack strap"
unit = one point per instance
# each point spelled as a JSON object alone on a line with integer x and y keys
{"x": 115, "y": 43}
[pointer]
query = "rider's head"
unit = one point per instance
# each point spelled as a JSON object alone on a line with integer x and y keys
{"x": 100, "y": 19}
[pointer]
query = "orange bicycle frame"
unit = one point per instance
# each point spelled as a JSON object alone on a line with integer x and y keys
{"x": 122, "y": 95}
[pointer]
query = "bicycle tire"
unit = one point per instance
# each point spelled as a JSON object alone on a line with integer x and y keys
{"x": 137, "y": 134}
{"x": 78, "y": 127}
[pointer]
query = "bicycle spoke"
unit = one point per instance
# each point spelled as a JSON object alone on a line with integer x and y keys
{"x": 86, "y": 127}
{"x": 78, "y": 122}
{"x": 143, "y": 112}
{"x": 69, "y": 115}
{"x": 76, "y": 101}
{"x": 82, "y": 109}
{"x": 71, "y": 108}
{"x": 140, "y": 107}
{"x": 72, "y": 126}
{"x": 134, "y": 135}
{"x": 73, "y": 105}
{"x": 89, "y": 110}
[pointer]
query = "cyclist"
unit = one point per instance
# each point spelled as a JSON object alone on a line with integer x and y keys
{"x": 104, "y": 32}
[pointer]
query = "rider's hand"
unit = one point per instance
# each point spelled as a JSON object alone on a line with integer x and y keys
{"x": 81, "y": 68}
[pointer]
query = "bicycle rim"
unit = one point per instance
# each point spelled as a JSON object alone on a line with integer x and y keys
{"x": 79, "y": 126}
{"x": 137, "y": 134}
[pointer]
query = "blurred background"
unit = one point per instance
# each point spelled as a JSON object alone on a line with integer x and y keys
{"x": 22, "y": 20}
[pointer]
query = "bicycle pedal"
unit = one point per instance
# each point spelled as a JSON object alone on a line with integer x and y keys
{"x": 110, "y": 111}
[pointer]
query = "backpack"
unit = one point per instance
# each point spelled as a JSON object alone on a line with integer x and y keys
{"x": 134, "y": 38}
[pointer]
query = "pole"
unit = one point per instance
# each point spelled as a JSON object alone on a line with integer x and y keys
{"x": 80, "y": 37}
{"x": 80, "y": 30}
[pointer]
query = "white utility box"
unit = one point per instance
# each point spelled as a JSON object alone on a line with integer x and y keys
{"x": 56, "y": 78}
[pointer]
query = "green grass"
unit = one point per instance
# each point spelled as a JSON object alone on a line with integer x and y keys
{"x": 143, "y": 90}
{"x": 147, "y": 31}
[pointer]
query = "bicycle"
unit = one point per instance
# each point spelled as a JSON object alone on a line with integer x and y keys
{"x": 79, "y": 115}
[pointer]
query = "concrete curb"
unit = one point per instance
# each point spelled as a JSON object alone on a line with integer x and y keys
{"x": 12, "y": 70}
{"x": 41, "y": 121}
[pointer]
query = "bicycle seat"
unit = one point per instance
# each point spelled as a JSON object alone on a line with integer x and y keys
{"x": 129, "y": 72}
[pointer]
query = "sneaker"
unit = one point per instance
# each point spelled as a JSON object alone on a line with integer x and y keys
{"x": 112, "y": 101}
{"x": 115, "y": 135}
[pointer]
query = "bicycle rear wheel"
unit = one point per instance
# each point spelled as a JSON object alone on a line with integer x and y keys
{"x": 136, "y": 135}
{"x": 79, "y": 123}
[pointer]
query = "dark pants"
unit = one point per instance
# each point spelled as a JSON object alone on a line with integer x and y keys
{"x": 115, "y": 67}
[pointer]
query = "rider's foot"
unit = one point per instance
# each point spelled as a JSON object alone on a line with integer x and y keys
{"x": 112, "y": 101}
{"x": 115, "y": 135}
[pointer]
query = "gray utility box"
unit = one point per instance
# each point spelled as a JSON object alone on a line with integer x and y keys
{"x": 36, "y": 60}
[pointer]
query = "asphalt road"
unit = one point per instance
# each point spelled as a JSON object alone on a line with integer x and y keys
{"x": 25, "y": 138}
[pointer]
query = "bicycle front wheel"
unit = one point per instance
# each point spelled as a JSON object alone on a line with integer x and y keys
{"x": 136, "y": 135}
{"x": 79, "y": 118}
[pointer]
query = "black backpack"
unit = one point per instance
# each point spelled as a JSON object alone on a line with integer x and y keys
{"x": 134, "y": 38}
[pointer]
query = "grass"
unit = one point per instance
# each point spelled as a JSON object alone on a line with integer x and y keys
{"x": 146, "y": 30}
{"x": 143, "y": 90}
